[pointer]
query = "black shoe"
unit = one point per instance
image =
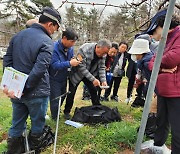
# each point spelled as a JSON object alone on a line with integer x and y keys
{"x": 67, "y": 116}
{"x": 106, "y": 99}
{"x": 15, "y": 145}
{"x": 86, "y": 98}
{"x": 115, "y": 98}
{"x": 101, "y": 98}
{"x": 138, "y": 102}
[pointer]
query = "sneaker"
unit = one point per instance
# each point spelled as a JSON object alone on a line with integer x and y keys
{"x": 115, "y": 98}
{"x": 156, "y": 149}
{"x": 67, "y": 116}
{"x": 106, "y": 99}
{"x": 150, "y": 148}
{"x": 101, "y": 98}
{"x": 128, "y": 100}
{"x": 47, "y": 117}
{"x": 166, "y": 150}
{"x": 160, "y": 149}
{"x": 86, "y": 98}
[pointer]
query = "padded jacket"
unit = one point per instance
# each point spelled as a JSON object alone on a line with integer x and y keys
{"x": 60, "y": 62}
{"x": 168, "y": 84}
{"x": 30, "y": 52}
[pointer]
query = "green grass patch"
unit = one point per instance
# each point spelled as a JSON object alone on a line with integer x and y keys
{"x": 90, "y": 139}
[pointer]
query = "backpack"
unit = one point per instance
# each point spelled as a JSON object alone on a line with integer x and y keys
{"x": 96, "y": 114}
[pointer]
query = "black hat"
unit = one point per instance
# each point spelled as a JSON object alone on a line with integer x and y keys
{"x": 52, "y": 14}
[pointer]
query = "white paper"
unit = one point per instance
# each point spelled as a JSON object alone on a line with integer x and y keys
{"x": 14, "y": 80}
{"x": 73, "y": 123}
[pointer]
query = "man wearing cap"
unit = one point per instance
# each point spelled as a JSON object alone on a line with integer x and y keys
{"x": 30, "y": 52}
{"x": 62, "y": 61}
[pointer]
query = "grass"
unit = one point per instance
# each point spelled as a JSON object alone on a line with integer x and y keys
{"x": 117, "y": 137}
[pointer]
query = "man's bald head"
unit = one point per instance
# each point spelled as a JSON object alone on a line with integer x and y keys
{"x": 30, "y": 22}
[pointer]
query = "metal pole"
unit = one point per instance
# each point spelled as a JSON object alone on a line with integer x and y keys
{"x": 154, "y": 75}
{"x": 57, "y": 124}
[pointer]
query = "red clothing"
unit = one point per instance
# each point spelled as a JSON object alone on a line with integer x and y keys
{"x": 109, "y": 61}
{"x": 168, "y": 84}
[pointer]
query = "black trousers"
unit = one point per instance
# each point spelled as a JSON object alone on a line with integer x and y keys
{"x": 116, "y": 81}
{"x": 131, "y": 81}
{"x": 168, "y": 114}
{"x": 70, "y": 98}
{"x": 139, "y": 90}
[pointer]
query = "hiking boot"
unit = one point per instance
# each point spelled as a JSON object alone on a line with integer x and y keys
{"x": 67, "y": 116}
{"x": 15, "y": 145}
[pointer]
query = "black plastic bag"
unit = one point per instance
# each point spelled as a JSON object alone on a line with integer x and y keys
{"x": 41, "y": 141}
{"x": 96, "y": 114}
{"x": 151, "y": 125}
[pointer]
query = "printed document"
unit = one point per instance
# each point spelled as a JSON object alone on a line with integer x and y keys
{"x": 14, "y": 80}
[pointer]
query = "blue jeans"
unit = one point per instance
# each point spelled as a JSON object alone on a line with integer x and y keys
{"x": 35, "y": 107}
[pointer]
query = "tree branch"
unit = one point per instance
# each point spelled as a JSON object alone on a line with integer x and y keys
{"x": 93, "y": 4}
{"x": 138, "y": 4}
{"x": 162, "y": 4}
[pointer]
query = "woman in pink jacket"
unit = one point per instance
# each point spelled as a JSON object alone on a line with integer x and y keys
{"x": 168, "y": 87}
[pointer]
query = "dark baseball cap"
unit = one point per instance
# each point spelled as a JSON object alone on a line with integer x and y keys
{"x": 52, "y": 14}
{"x": 153, "y": 25}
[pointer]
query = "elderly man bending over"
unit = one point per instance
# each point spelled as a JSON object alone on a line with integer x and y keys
{"x": 91, "y": 71}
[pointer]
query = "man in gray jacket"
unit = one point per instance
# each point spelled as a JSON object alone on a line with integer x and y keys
{"x": 91, "y": 71}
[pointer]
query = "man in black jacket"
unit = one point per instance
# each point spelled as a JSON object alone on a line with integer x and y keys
{"x": 30, "y": 52}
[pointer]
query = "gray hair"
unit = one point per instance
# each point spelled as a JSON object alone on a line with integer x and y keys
{"x": 30, "y": 22}
{"x": 104, "y": 43}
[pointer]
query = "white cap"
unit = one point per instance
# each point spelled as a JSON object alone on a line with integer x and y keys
{"x": 139, "y": 46}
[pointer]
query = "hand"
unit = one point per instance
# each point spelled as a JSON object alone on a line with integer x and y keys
{"x": 172, "y": 70}
{"x": 107, "y": 69}
{"x": 137, "y": 83}
{"x": 144, "y": 80}
{"x": 104, "y": 84}
{"x": 96, "y": 83}
{"x": 10, "y": 94}
{"x": 5, "y": 90}
{"x": 74, "y": 62}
